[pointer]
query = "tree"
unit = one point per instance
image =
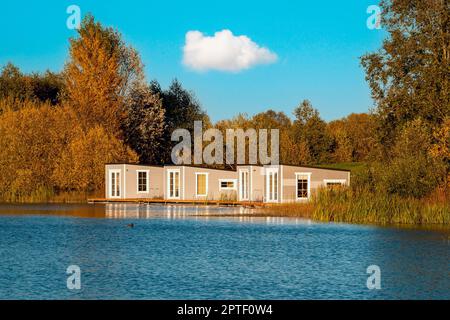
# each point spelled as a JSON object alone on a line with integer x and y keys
{"x": 31, "y": 140}
{"x": 47, "y": 87}
{"x": 98, "y": 76}
{"x": 181, "y": 109}
{"x": 144, "y": 127}
{"x": 290, "y": 152}
{"x": 412, "y": 171}
{"x": 354, "y": 138}
{"x": 13, "y": 84}
{"x": 81, "y": 165}
{"x": 441, "y": 146}
{"x": 409, "y": 75}
{"x": 18, "y": 87}
{"x": 440, "y": 149}
{"x": 343, "y": 148}
{"x": 310, "y": 129}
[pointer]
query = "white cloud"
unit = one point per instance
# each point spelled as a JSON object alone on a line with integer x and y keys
{"x": 224, "y": 52}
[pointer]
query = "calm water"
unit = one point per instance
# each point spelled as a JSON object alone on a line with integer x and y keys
{"x": 172, "y": 253}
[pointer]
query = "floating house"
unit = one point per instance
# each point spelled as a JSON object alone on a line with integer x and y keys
{"x": 248, "y": 183}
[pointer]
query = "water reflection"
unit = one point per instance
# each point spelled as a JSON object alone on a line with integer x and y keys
{"x": 180, "y": 212}
{"x": 183, "y": 212}
{"x": 148, "y": 211}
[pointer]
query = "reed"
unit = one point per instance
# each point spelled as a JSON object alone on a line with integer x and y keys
{"x": 364, "y": 206}
{"x": 48, "y": 195}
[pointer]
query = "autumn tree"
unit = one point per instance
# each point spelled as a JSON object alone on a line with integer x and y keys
{"x": 98, "y": 76}
{"x": 291, "y": 151}
{"x": 354, "y": 138}
{"x": 441, "y": 144}
{"x": 31, "y": 141}
{"x": 440, "y": 148}
{"x": 343, "y": 148}
{"x": 81, "y": 165}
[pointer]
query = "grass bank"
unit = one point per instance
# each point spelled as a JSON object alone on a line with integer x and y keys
{"x": 366, "y": 207}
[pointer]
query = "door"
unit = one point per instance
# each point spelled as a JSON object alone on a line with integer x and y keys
{"x": 272, "y": 185}
{"x": 173, "y": 184}
{"x": 114, "y": 184}
{"x": 244, "y": 185}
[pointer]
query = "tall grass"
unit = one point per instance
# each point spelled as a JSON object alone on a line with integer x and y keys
{"x": 48, "y": 195}
{"x": 364, "y": 206}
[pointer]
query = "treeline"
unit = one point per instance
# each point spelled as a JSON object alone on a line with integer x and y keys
{"x": 57, "y": 130}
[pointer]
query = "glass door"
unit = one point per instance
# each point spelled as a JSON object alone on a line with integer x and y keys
{"x": 243, "y": 185}
{"x": 173, "y": 184}
{"x": 114, "y": 189}
{"x": 272, "y": 185}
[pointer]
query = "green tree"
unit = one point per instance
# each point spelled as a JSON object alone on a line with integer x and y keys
{"x": 18, "y": 87}
{"x": 181, "y": 109}
{"x": 310, "y": 129}
{"x": 13, "y": 83}
{"x": 412, "y": 171}
{"x": 409, "y": 75}
{"x": 144, "y": 127}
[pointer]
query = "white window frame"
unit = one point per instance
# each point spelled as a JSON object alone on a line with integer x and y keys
{"x": 207, "y": 182}
{"x": 227, "y": 180}
{"x": 147, "y": 181}
{"x": 272, "y": 171}
{"x": 241, "y": 196}
{"x": 179, "y": 183}
{"x": 343, "y": 182}
{"x": 110, "y": 172}
{"x": 297, "y": 174}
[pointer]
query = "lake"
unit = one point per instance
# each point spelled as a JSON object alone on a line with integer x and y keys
{"x": 179, "y": 252}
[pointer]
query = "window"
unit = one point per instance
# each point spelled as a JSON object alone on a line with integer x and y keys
{"x": 332, "y": 183}
{"x": 227, "y": 184}
{"x": 303, "y": 185}
{"x": 142, "y": 181}
{"x": 202, "y": 184}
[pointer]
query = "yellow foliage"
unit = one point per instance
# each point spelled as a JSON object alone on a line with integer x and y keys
{"x": 31, "y": 139}
{"x": 93, "y": 79}
{"x": 441, "y": 149}
{"x": 81, "y": 165}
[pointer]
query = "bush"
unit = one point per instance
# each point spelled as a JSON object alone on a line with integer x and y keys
{"x": 413, "y": 176}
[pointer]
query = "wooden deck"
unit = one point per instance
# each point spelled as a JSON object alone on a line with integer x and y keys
{"x": 173, "y": 201}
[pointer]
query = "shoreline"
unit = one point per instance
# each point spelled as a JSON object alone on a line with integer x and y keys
{"x": 258, "y": 212}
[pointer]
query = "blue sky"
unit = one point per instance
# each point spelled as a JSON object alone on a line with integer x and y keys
{"x": 318, "y": 45}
